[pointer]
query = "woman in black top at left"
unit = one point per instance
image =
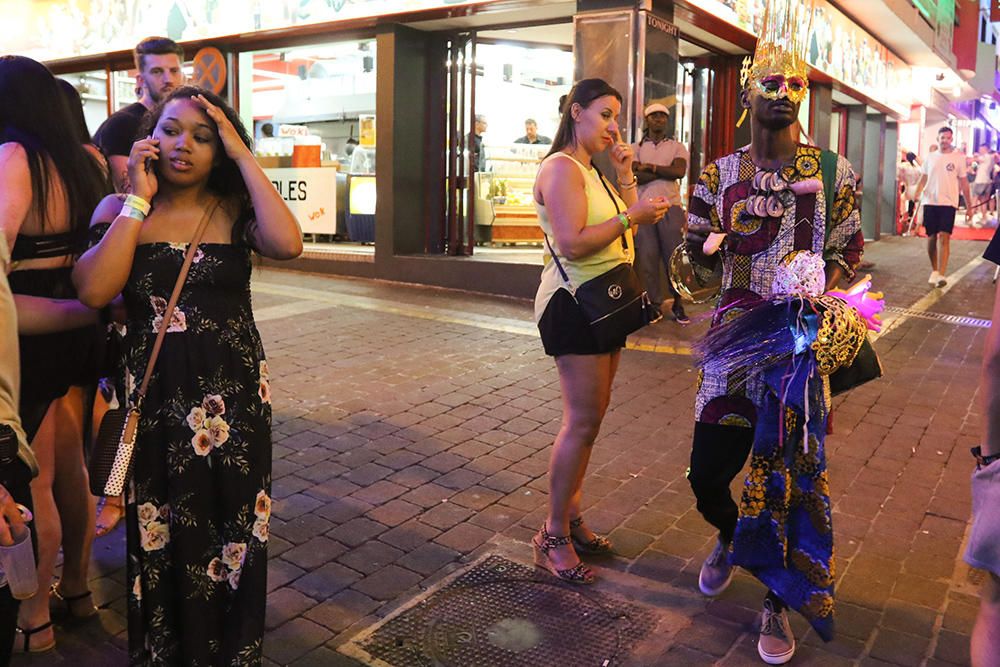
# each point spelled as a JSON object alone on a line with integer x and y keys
{"x": 49, "y": 185}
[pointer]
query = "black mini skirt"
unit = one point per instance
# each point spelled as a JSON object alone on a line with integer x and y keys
{"x": 565, "y": 330}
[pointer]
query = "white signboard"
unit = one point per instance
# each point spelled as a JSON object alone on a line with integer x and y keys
{"x": 311, "y": 193}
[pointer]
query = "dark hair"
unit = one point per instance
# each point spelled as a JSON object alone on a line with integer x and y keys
{"x": 74, "y": 105}
{"x": 34, "y": 113}
{"x": 911, "y": 157}
{"x": 583, "y": 93}
{"x": 267, "y": 129}
{"x": 155, "y": 46}
{"x": 225, "y": 178}
{"x": 945, "y": 128}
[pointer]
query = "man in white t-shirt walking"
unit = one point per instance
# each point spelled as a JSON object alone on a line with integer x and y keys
{"x": 939, "y": 187}
{"x": 659, "y": 164}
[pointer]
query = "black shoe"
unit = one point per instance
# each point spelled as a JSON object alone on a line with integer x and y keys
{"x": 679, "y": 314}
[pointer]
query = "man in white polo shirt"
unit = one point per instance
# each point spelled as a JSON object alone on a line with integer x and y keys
{"x": 944, "y": 177}
{"x": 659, "y": 164}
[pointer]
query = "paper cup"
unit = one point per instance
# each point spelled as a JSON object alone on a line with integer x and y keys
{"x": 18, "y": 563}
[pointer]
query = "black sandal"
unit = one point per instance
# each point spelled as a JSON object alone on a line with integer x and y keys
{"x": 70, "y": 599}
{"x": 27, "y": 648}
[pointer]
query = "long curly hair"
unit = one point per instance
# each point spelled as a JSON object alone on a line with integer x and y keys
{"x": 225, "y": 179}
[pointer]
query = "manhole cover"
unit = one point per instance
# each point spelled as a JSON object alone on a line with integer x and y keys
{"x": 503, "y": 613}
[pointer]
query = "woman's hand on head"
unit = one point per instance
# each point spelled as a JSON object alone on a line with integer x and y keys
{"x": 648, "y": 210}
{"x": 231, "y": 142}
{"x": 141, "y": 175}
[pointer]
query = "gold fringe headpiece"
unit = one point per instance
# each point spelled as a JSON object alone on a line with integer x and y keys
{"x": 782, "y": 46}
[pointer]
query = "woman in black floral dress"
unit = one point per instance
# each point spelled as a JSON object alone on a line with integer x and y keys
{"x": 199, "y": 499}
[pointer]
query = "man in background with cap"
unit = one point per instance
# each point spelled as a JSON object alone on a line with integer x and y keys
{"x": 660, "y": 163}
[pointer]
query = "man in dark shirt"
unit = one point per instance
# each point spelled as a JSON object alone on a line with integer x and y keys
{"x": 531, "y": 135}
{"x": 159, "y": 61}
{"x": 476, "y": 152}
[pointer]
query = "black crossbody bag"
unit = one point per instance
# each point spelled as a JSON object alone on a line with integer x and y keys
{"x": 614, "y": 303}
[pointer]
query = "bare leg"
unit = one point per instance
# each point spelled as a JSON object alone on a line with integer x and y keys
{"x": 586, "y": 388}
{"x": 34, "y": 611}
{"x": 944, "y": 252}
{"x": 932, "y": 251}
{"x": 72, "y": 493}
{"x": 584, "y": 533}
{"x": 985, "y": 646}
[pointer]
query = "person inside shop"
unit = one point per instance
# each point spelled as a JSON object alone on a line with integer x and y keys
{"x": 660, "y": 164}
{"x": 938, "y": 190}
{"x": 754, "y": 202}
{"x": 476, "y": 153}
{"x": 531, "y": 135}
{"x": 159, "y": 61}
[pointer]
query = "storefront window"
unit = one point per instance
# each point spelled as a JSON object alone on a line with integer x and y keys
{"x": 312, "y": 113}
{"x": 517, "y": 96}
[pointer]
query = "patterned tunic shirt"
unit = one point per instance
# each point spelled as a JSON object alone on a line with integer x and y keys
{"x": 754, "y": 248}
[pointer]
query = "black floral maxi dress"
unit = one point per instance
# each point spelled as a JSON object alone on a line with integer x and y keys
{"x": 199, "y": 501}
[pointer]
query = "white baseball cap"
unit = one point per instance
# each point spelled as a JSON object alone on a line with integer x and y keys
{"x": 653, "y": 108}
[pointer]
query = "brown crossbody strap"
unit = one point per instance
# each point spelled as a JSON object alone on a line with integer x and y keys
{"x": 174, "y": 296}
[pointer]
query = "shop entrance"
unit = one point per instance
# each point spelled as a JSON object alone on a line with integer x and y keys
{"x": 503, "y": 92}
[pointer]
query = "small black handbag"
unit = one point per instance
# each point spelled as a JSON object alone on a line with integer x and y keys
{"x": 865, "y": 368}
{"x": 614, "y": 303}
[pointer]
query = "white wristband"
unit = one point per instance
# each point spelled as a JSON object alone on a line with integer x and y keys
{"x": 130, "y": 212}
{"x": 139, "y": 204}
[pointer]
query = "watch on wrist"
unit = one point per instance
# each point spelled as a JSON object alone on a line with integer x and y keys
{"x": 981, "y": 460}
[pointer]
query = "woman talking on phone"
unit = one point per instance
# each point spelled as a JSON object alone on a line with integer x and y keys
{"x": 198, "y": 503}
{"x": 588, "y": 225}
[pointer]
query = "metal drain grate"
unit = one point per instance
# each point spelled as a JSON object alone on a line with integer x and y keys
{"x": 503, "y": 613}
{"x": 957, "y": 320}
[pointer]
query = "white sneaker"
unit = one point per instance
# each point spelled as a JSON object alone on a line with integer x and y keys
{"x": 942, "y": 281}
{"x": 776, "y": 644}
{"x": 935, "y": 277}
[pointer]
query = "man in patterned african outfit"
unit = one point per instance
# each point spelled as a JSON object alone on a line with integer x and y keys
{"x": 769, "y": 201}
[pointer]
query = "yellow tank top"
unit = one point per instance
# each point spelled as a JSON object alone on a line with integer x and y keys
{"x": 600, "y": 207}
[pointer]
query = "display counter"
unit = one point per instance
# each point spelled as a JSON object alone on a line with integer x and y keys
{"x": 505, "y": 209}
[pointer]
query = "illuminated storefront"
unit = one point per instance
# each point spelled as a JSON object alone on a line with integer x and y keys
{"x": 363, "y": 111}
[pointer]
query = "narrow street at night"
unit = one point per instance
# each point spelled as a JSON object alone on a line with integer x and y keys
{"x": 412, "y": 427}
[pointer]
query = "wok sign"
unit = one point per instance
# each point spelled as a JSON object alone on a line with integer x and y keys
{"x": 311, "y": 194}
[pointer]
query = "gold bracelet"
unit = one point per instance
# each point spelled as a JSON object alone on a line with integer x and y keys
{"x": 630, "y": 183}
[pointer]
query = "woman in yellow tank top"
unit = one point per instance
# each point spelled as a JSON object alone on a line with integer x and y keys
{"x": 580, "y": 217}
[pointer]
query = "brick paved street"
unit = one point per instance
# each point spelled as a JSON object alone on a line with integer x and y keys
{"x": 411, "y": 434}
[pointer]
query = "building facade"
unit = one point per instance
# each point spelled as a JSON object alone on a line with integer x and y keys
{"x": 365, "y": 113}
